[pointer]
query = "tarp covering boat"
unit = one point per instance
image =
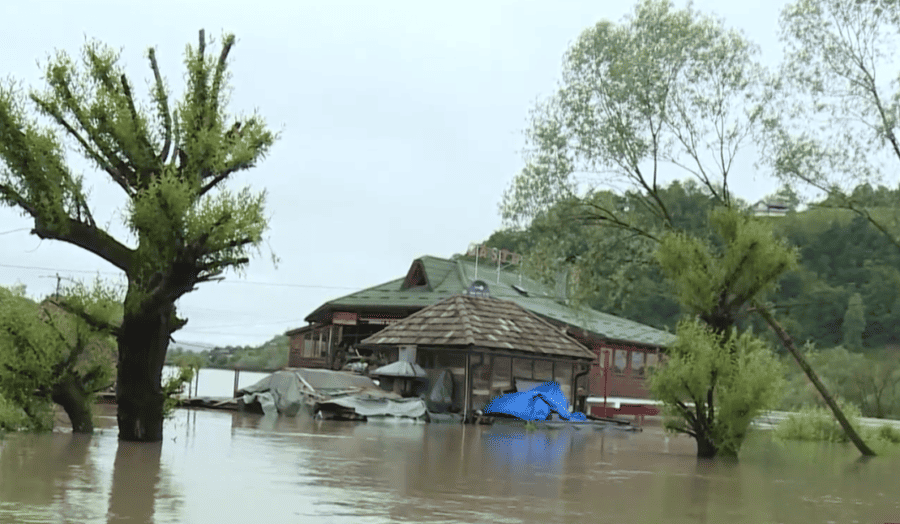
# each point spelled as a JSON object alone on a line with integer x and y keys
{"x": 536, "y": 403}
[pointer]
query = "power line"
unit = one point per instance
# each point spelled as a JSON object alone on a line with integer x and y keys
{"x": 251, "y": 324}
{"x": 120, "y": 274}
{"x": 15, "y": 230}
{"x": 287, "y": 285}
{"x": 39, "y": 268}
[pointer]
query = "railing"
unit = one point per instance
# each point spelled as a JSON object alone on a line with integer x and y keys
{"x": 309, "y": 362}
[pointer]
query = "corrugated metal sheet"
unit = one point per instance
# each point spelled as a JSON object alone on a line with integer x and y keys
{"x": 484, "y": 322}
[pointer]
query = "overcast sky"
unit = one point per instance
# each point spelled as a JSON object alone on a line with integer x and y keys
{"x": 401, "y": 127}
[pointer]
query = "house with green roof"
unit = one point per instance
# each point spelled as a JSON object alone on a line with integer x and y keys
{"x": 623, "y": 347}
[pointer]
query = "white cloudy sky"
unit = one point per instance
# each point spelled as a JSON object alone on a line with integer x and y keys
{"x": 401, "y": 127}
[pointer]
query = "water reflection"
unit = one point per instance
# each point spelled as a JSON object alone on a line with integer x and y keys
{"x": 231, "y": 467}
{"x": 44, "y": 476}
{"x": 135, "y": 480}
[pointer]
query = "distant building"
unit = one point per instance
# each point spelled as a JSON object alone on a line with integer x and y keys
{"x": 770, "y": 208}
{"x": 626, "y": 347}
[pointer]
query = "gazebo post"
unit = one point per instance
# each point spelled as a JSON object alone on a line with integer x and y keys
{"x": 468, "y": 385}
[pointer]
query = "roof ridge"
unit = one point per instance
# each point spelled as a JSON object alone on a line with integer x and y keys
{"x": 446, "y": 274}
{"x": 465, "y": 318}
{"x": 463, "y": 277}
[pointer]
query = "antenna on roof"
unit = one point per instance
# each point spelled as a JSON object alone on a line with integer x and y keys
{"x": 477, "y": 252}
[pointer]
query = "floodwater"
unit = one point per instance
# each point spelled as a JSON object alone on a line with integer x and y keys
{"x": 225, "y": 467}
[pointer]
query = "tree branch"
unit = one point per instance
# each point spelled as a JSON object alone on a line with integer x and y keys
{"x": 163, "y": 101}
{"x": 135, "y": 121}
{"x": 89, "y": 238}
{"x": 223, "y": 175}
{"x": 788, "y": 343}
{"x": 104, "y": 164}
{"x": 91, "y": 320}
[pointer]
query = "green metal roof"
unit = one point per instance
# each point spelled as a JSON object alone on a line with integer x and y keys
{"x": 452, "y": 277}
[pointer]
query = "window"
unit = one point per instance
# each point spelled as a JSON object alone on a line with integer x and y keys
{"x": 620, "y": 359}
{"x": 637, "y": 363}
{"x": 652, "y": 360}
{"x": 522, "y": 368}
{"x": 309, "y": 349}
{"x": 563, "y": 375}
{"x": 543, "y": 370}
{"x": 501, "y": 381}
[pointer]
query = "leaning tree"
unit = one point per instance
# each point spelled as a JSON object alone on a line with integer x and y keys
{"x": 171, "y": 161}
{"x": 668, "y": 92}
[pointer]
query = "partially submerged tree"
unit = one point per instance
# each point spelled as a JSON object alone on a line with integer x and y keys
{"x": 668, "y": 88}
{"x": 713, "y": 386}
{"x": 724, "y": 376}
{"x": 49, "y": 355}
{"x": 170, "y": 163}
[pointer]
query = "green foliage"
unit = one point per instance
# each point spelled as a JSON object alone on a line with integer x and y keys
{"x": 665, "y": 86}
{"x": 42, "y": 345}
{"x": 817, "y": 424}
{"x": 854, "y": 322}
{"x": 272, "y": 354}
{"x": 739, "y": 373}
{"x": 13, "y": 417}
{"x": 836, "y": 68}
{"x": 870, "y": 381}
{"x": 175, "y": 385}
{"x": 189, "y": 360}
{"x": 170, "y": 160}
{"x": 713, "y": 281}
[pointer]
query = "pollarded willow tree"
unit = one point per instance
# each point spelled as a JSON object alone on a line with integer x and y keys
{"x": 171, "y": 163}
{"x": 713, "y": 386}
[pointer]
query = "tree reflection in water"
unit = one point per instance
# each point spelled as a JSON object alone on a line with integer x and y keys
{"x": 135, "y": 481}
{"x": 37, "y": 470}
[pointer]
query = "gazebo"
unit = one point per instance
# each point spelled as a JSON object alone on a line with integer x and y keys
{"x": 489, "y": 346}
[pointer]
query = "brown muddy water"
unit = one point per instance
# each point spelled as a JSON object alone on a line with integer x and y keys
{"x": 224, "y": 467}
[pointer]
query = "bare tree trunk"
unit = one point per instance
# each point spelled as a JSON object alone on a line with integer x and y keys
{"x": 143, "y": 341}
{"x": 69, "y": 394}
{"x": 788, "y": 343}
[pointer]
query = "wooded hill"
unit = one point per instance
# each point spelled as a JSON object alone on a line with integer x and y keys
{"x": 845, "y": 290}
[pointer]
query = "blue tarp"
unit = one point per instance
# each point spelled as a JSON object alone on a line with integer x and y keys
{"x": 535, "y": 404}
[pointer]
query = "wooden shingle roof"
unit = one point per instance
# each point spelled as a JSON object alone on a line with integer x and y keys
{"x": 463, "y": 320}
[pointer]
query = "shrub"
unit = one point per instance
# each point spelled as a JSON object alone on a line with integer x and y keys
{"x": 885, "y": 433}
{"x": 817, "y": 424}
